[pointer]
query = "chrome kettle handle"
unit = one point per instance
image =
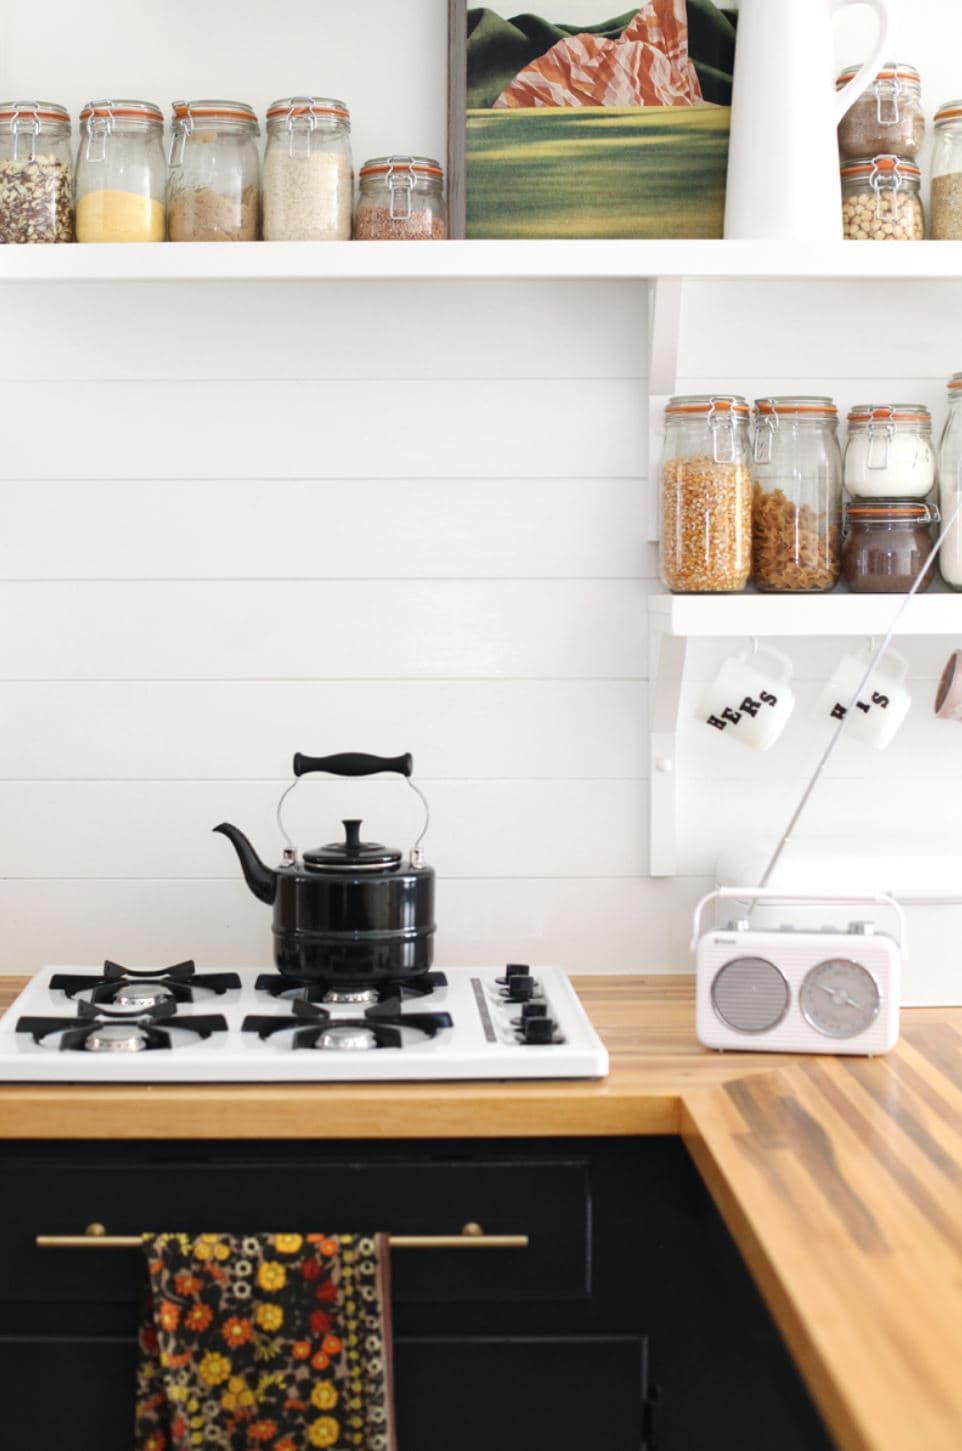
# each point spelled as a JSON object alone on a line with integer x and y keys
{"x": 353, "y": 763}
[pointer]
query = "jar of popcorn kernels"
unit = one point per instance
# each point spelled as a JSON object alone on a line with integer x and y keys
{"x": 881, "y": 201}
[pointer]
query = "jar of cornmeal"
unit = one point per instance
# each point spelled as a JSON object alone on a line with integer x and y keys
{"x": 121, "y": 173}
{"x": 213, "y": 184}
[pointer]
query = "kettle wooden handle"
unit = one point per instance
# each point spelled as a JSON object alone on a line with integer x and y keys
{"x": 353, "y": 763}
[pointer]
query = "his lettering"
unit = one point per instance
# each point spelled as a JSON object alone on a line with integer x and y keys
{"x": 863, "y": 707}
{"x": 881, "y": 700}
{"x": 839, "y": 712}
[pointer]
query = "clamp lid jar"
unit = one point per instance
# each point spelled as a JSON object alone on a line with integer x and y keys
{"x": 401, "y": 199}
{"x": 947, "y": 173}
{"x": 121, "y": 173}
{"x": 950, "y": 487}
{"x": 881, "y": 201}
{"x": 36, "y": 173}
{"x": 308, "y": 191}
{"x": 887, "y": 117}
{"x": 706, "y": 495}
{"x": 887, "y": 541}
{"x": 889, "y": 453}
{"x": 213, "y": 183}
{"x": 796, "y": 506}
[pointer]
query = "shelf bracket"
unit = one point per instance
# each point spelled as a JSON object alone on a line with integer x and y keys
{"x": 668, "y": 653}
{"x": 664, "y": 333}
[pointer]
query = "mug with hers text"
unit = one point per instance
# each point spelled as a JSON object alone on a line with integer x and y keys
{"x": 749, "y": 699}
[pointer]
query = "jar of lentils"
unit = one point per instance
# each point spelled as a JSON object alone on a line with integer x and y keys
{"x": 36, "y": 173}
{"x": 121, "y": 173}
{"x": 797, "y": 501}
{"x": 881, "y": 201}
{"x": 887, "y": 119}
{"x": 706, "y": 495}
{"x": 947, "y": 173}
{"x": 308, "y": 171}
{"x": 401, "y": 199}
{"x": 213, "y": 182}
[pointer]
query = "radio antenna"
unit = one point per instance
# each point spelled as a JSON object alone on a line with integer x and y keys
{"x": 776, "y": 856}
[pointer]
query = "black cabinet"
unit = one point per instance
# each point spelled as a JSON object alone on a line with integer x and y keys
{"x": 628, "y": 1323}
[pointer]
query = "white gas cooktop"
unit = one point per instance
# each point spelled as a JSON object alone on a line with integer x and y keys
{"x": 181, "y": 1025}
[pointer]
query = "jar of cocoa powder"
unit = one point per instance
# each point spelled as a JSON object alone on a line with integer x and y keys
{"x": 401, "y": 199}
{"x": 886, "y": 543}
{"x": 213, "y": 179}
{"x": 887, "y": 117}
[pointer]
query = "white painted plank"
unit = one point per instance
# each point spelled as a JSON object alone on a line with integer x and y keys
{"x": 360, "y": 529}
{"x": 297, "y": 630}
{"x": 624, "y": 924}
{"x": 241, "y": 430}
{"x": 237, "y": 729}
{"x": 141, "y": 829}
{"x": 375, "y": 330}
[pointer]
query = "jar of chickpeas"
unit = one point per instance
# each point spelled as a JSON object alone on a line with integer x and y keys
{"x": 797, "y": 501}
{"x": 881, "y": 201}
{"x": 706, "y": 495}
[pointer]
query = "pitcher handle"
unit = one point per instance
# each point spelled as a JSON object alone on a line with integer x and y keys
{"x": 859, "y": 83}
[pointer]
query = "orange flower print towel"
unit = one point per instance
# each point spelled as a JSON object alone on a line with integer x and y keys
{"x": 266, "y": 1342}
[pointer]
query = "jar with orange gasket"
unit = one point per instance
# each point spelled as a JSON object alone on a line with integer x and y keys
{"x": 797, "y": 497}
{"x": 121, "y": 173}
{"x": 881, "y": 201}
{"x": 401, "y": 199}
{"x": 887, "y": 118}
{"x": 706, "y": 495}
{"x": 213, "y": 184}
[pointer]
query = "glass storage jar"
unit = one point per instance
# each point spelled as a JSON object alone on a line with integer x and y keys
{"x": 797, "y": 496}
{"x": 36, "y": 173}
{"x": 213, "y": 179}
{"x": 947, "y": 173}
{"x": 121, "y": 173}
{"x": 881, "y": 201}
{"x": 950, "y": 487}
{"x": 308, "y": 193}
{"x": 886, "y": 543}
{"x": 401, "y": 199}
{"x": 706, "y": 495}
{"x": 889, "y": 452}
{"x": 887, "y": 117}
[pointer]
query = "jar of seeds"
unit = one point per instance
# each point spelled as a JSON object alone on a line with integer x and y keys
{"x": 887, "y": 119}
{"x": 308, "y": 192}
{"x": 401, "y": 199}
{"x": 880, "y": 200}
{"x": 706, "y": 495}
{"x": 36, "y": 174}
{"x": 947, "y": 173}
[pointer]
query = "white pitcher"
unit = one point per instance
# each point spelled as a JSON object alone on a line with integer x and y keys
{"x": 783, "y": 169}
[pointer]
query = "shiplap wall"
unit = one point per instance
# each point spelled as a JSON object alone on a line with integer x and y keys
{"x": 239, "y": 521}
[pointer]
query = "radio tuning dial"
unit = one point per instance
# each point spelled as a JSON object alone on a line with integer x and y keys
{"x": 839, "y": 998}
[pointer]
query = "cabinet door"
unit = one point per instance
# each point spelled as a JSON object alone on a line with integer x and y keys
{"x": 64, "y": 1393}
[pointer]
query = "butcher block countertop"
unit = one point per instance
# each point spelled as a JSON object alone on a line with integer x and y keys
{"x": 840, "y": 1179}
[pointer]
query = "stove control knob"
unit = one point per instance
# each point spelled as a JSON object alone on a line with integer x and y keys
{"x": 538, "y": 1030}
{"x": 517, "y": 969}
{"x": 520, "y": 989}
{"x": 534, "y": 1010}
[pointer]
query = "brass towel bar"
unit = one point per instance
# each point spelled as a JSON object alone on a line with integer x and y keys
{"x": 472, "y": 1236}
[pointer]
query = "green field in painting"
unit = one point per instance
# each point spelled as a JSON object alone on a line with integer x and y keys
{"x": 596, "y": 172}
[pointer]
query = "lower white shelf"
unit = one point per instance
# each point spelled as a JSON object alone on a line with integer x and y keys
{"x": 839, "y": 613}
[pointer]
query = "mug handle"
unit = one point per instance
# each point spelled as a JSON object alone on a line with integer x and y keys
{"x": 787, "y": 669}
{"x": 859, "y": 83}
{"x": 902, "y": 665}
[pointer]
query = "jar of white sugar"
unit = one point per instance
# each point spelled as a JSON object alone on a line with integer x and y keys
{"x": 889, "y": 453}
{"x": 308, "y": 183}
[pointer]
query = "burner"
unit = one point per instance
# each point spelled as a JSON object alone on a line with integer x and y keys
{"x": 115, "y": 1038}
{"x": 97, "y": 1031}
{"x": 292, "y": 988}
{"x": 127, "y": 987}
{"x": 381, "y": 1027}
{"x": 347, "y": 1035}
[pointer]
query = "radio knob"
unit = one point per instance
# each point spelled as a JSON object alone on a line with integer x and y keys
{"x": 864, "y": 929}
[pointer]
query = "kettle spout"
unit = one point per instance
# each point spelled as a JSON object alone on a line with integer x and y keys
{"x": 261, "y": 880}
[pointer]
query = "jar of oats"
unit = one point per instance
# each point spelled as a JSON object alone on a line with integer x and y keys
{"x": 706, "y": 495}
{"x": 308, "y": 193}
{"x": 887, "y": 118}
{"x": 947, "y": 173}
{"x": 881, "y": 201}
{"x": 401, "y": 199}
{"x": 213, "y": 178}
{"x": 36, "y": 173}
{"x": 797, "y": 501}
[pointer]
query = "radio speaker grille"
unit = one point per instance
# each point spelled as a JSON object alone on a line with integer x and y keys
{"x": 750, "y": 994}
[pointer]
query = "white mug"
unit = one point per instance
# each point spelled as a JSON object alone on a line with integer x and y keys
{"x": 747, "y": 702}
{"x": 882, "y": 705}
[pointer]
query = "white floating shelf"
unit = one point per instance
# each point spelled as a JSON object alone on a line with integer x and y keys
{"x": 361, "y": 261}
{"x": 725, "y": 616}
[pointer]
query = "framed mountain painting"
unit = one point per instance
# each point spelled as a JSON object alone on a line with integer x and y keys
{"x": 578, "y": 123}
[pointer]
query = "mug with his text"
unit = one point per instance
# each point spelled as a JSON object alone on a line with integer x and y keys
{"x": 749, "y": 699}
{"x": 882, "y": 705}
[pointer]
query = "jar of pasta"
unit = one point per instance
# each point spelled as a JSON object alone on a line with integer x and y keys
{"x": 121, "y": 173}
{"x": 881, "y": 201}
{"x": 706, "y": 495}
{"x": 36, "y": 173}
{"x": 797, "y": 499}
{"x": 213, "y": 184}
{"x": 401, "y": 199}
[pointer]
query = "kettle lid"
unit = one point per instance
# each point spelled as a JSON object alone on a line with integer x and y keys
{"x": 352, "y": 854}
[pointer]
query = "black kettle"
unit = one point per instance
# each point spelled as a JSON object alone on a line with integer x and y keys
{"x": 352, "y": 911}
